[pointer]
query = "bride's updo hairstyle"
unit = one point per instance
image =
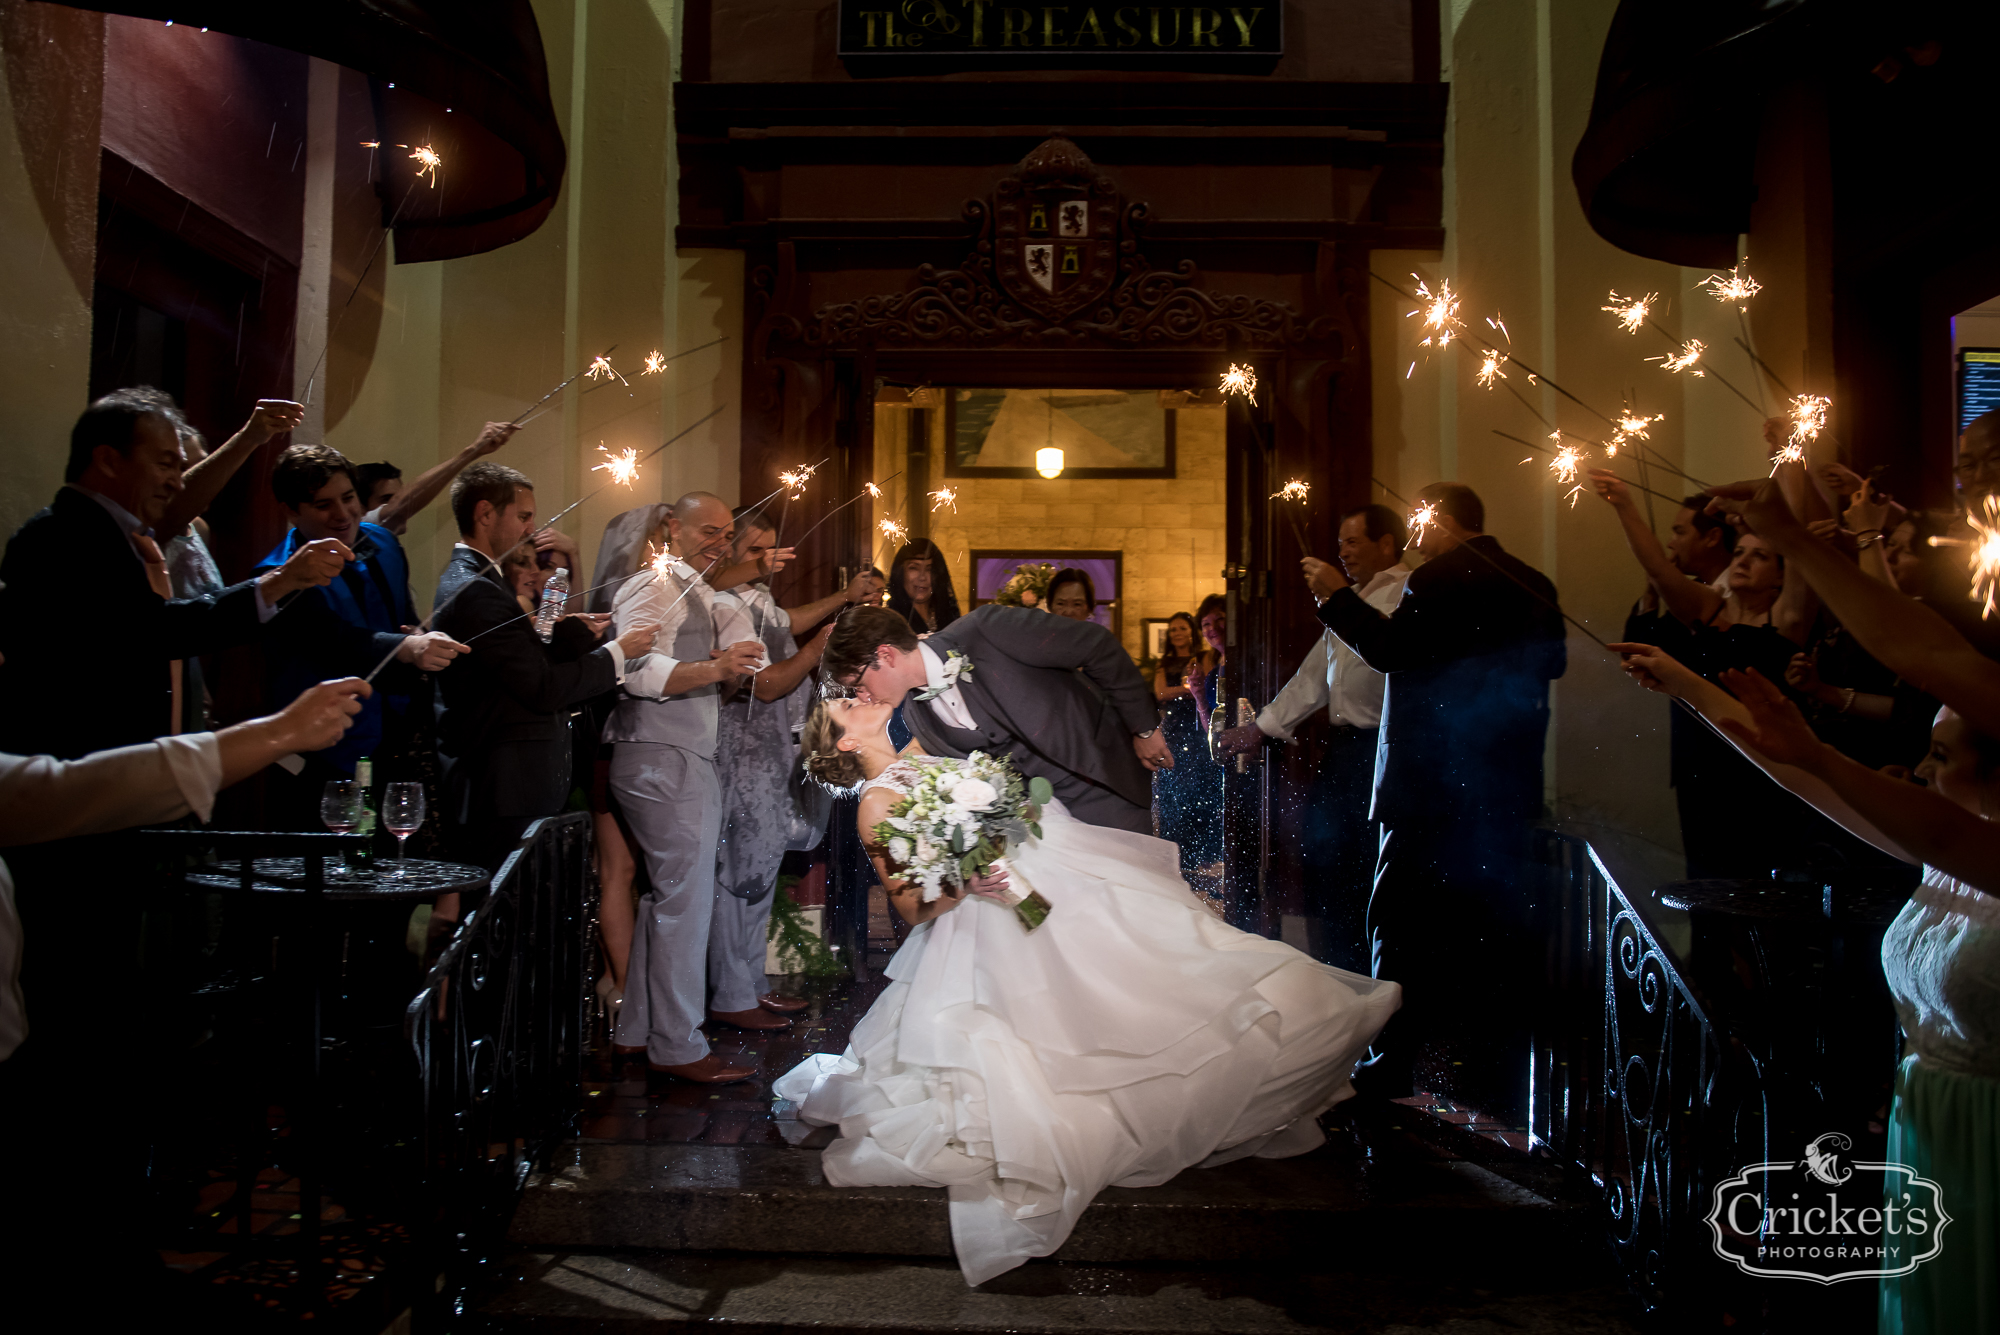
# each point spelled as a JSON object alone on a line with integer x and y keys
{"x": 819, "y": 749}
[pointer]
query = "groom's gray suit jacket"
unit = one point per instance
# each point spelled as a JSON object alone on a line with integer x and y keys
{"x": 1058, "y": 696}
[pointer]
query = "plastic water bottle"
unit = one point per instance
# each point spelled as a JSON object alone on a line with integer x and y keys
{"x": 553, "y": 597}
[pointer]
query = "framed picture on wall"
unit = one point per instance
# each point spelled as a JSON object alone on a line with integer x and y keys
{"x": 1102, "y": 433}
{"x": 1154, "y": 637}
{"x": 992, "y": 570}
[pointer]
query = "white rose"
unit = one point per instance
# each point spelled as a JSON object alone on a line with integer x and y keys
{"x": 974, "y": 795}
{"x": 947, "y": 781}
{"x": 899, "y": 849}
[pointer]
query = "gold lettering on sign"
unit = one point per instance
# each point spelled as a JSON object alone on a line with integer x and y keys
{"x": 1156, "y": 28}
{"x": 1124, "y": 25}
{"x": 1243, "y": 25}
{"x": 1090, "y": 25}
{"x": 979, "y": 21}
{"x": 1049, "y": 34}
{"x": 1196, "y": 31}
{"x": 868, "y": 17}
{"x": 1009, "y": 30}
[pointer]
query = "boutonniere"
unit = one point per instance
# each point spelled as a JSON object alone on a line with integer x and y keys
{"x": 956, "y": 665}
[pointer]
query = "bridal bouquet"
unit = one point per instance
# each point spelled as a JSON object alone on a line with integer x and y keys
{"x": 958, "y": 820}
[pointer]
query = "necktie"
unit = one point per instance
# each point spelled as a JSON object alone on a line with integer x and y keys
{"x": 156, "y": 575}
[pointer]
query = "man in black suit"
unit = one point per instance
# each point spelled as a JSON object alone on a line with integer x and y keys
{"x": 91, "y": 554}
{"x": 501, "y": 709}
{"x": 1060, "y": 697}
{"x": 1469, "y": 653}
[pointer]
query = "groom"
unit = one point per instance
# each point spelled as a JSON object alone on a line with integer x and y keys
{"x": 1058, "y": 697}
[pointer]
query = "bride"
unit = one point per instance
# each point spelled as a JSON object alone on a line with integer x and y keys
{"x": 1131, "y": 1036}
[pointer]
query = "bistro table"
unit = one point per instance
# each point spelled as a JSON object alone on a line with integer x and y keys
{"x": 416, "y": 878}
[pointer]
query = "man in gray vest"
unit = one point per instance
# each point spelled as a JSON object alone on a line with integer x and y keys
{"x": 1059, "y": 697}
{"x": 663, "y": 734}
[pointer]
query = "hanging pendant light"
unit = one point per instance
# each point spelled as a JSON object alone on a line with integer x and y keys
{"x": 1049, "y": 462}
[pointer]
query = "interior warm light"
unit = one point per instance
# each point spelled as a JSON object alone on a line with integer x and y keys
{"x": 1049, "y": 463}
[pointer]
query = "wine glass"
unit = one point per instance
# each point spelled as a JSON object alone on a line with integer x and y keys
{"x": 340, "y": 806}
{"x": 403, "y": 814}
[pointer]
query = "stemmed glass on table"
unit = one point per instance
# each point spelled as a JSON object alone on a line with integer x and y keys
{"x": 403, "y": 815}
{"x": 340, "y": 806}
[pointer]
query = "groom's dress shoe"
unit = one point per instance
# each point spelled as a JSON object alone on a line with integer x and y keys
{"x": 778, "y": 1005}
{"x": 710, "y": 1070}
{"x": 754, "y": 1018}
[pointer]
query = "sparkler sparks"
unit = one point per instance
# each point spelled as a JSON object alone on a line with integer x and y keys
{"x": 1421, "y": 518}
{"x": 944, "y": 496}
{"x": 601, "y": 369}
{"x": 1986, "y": 555}
{"x": 1440, "y": 313}
{"x": 428, "y": 162}
{"x": 1685, "y": 359}
{"x": 794, "y": 480}
{"x": 1567, "y": 463}
{"x": 1295, "y": 490}
{"x": 1489, "y": 368}
{"x": 662, "y": 563}
{"x": 1630, "y": 426}
{"x": 1240, "y": 380}
{"x": 655, "y": 363}
{"x": 1735, "y": 287}
{"x": 872, "y": 490}
{"x": 1497, "y": 323}
{"x": 623, "y": 467}
{"x": 894, "y": 532}
{"x": 1632, "y": 312}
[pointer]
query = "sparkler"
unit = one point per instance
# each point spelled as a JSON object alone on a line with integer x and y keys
{"x": 894, "y": 532}
{"x": 1986, "y": 555}
{"x": 1295, "y": 490}
{"x": 1566, "y": 465}
{"x": 1240, "y": 380}
{"x": 1440, "y": 313}
{"x": 1489, "y": 368}
{"x": 428, "y": 162}
{"x": 623, "y": 468}
{"x": 1497, "y": 323}
{"x": 1685, "y": 359}
{"x": 594, "y": 373}
{"x": 794, "y": 480}
{"x": 874, "y": 490}
{"x": 1629, "y": 427}
{"x": 1421, "y": 518}
{"x": 944, "y": 496}
{"x": 600, "y": 368}
{"x": 655, "y": 363}
{"x": 1808, "y": 413}
{"x": 868, "y": 490}
{"x": 1632, "y": 312}
{"x": 1733, "y": 288}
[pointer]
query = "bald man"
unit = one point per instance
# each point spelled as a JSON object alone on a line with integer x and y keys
{"x": 662, "y": 735}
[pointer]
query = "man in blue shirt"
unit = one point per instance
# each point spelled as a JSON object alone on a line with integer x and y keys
{"x": 346, "y": 628}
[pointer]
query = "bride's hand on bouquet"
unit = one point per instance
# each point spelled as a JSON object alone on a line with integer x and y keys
{"x": 992, "y": 885}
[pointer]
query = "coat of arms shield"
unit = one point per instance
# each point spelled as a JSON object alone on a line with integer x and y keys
{"x": 1055, "y": 232}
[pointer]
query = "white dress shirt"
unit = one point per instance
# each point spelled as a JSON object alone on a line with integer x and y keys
{"x": 43, "y": 799}
{"x": 950, "y": 701}
{"x": 670, "y": 602}
{"x": 1333, "y": 676}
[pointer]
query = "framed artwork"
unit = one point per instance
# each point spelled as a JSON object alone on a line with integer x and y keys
{"x": 1154, "y": 636}
{"x": 993, "y": 570}
{"x": 1103, "y": 433}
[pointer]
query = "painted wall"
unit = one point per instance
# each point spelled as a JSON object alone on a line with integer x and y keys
{"x": 1170, "y": 530}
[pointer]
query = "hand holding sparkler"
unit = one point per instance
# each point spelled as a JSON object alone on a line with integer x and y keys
{"x": 491, "y": 437}
{"x": 1762, "y": 506}
{"x": 313, "y": 566}
{"x": 1655, "y": 669}
{"x": 1324, "y": 578}
{"x": 271, "y": 417}
{"x": 430, "y": 651}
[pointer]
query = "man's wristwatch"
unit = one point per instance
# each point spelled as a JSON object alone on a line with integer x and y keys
{"x": 1142, "y": 736}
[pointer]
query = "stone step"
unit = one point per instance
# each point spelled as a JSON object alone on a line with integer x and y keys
{"x": 1327, "y": 1208}
{"x": 569, "y": 1293}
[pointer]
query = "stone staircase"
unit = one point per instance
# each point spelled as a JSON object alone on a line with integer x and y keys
{"x": 1380, "y": 1230}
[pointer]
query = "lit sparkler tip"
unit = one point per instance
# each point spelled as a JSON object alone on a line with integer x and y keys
{"x": 655, "y": 363}
{"x": 1685, "y": 359}
{"x": 371, "y": 143}
{"x": 1489, "y": 368}
{"x": 1809, "y": 417}
{"x": 893, "y": 531}
{"x": 1497, "y": 323}
{"x": 1295, "y": 490}
{"x": 662, "y": 563}
{"x": 1566, "y": 464}
{"x": 600, "y": 368}
{"x": 623, "y": 467}
{"x": 944, "y": 496}
{"x": 794, "y": 480}
{"x": 872, "y": 490}
{"x": 1240, "y": 380}
{"x": 1440, "y": 314}
{"x": 1985, "y": 555}
{"x": 1421, "y": 518}
{"x": 1736, "y": 286}
{"x": 1632, "y": 312}
{"x": 427, "y": 161}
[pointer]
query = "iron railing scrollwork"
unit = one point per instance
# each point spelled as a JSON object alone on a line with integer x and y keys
{"x": 499, "y": 1031}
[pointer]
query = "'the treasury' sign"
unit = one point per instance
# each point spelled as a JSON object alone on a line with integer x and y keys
{"x": 1075, "y": 32}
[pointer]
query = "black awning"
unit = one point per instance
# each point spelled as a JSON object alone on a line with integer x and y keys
{"x": 467, "y": 77}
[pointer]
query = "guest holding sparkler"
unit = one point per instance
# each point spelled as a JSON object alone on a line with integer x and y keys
{"x": 345, "y": 629}
{"x": 501, "y": 734}
{"x": 663, "y": 779}
{"x": 1469, "y": 653}
{"x": 920, "y": 587}
{"x": 1341, "y": 840}
{"x": 392, "y": 505}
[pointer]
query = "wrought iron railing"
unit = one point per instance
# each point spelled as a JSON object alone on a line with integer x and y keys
{"x": 499, "y": 1031}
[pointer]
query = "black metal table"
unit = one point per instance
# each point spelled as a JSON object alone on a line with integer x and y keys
{"x": 416, "y": 878}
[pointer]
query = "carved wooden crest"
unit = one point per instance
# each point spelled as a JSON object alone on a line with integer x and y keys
{"x": 1056, "y": 262}
{"x": 1055, "y": 232}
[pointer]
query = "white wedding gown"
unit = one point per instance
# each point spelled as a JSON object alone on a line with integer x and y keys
{"x": 1131, "y": 1036}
